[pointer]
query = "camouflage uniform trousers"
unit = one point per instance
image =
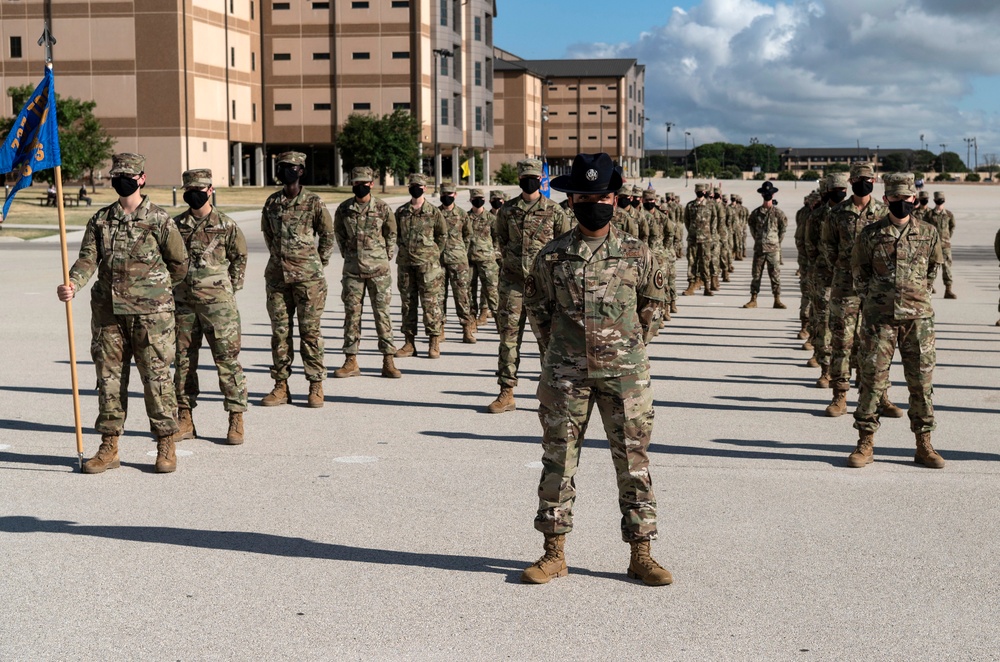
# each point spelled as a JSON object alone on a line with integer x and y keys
{"x": 805, "y": 302}
{"x": 115, "y": 339}
{"x": 459, "y": 277}
{"x": 511, "y": 320}
{"x": 691, "y": 270}
{"x": 564, "y": 409}
{"x": 726, "y": 253}
{"x": 426, "y": 284}
{"x": 284, "y": 302}
{"x": 915, "y": 339}
{"x": 486, "y": 273}
{"x": 946, "y": 274}
{"x": 715, "y": 261}
{"x": 219, "y": 323}
{"x": 668, "y": 263}
{"x": 772, "y": 259}
{"x": 819, "y": 324}
{"x": 379, "y": 289}
{"x": 700, "y": 263}
{"x": 845, "y": 314}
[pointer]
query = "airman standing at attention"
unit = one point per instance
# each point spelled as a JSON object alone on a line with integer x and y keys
{"x": 699, "y": 218}
{"x": 206, "y": 305}
{"x": 922, "y": 212}
{"x": 661, "y": 242}
{"x": 767, "y": 226}
{"x": 366, "y": 235}
{"x": 455, "y": 260}
{"x": 482, "y": 253}
{"x": 624, "y": 218}
{"x": 944, "y": 221}
{"x": 801, "y": 218}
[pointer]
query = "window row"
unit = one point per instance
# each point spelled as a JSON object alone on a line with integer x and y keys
{"x": 355, "y": 4}
{"x": 357, "y": 107}
{"x": 396, "y": 55}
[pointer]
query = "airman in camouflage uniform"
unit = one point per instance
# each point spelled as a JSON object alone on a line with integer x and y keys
{"x": 483, "y": 252}
{"x": 661, "y": 242}
{"x": 497, "y": 198}
{"x": 455, "y": 260}
{"x": 801, "y": 218}
{"x": 894, "y": 263}
{"x": 718, "y": 228}
{"x": 421, "y": 237}
{"x": 740, "y": 228}
{"x": 206, "y": 305}
{"x": 725, "y": 238}
{"x": 139, "y": 256}
{"x": 944, "y": 221}
{"x": 676, "y": 213}
{"x": 922, "y": 212}
{"x": 595, "y": 296}
{"x": 298, "y": 232}
{"x": 640, "y": 214}
{"x": 524, "y": 225}
{"x": 767, "y": 226}
{"x": 624, "y": 219}
{"x": 365, "y": 230}
{"x": 821, "y": 277}
{"x": 700, "y": 220}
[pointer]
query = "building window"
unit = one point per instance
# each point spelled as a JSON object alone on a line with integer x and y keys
{"x": 612, "y": 112}
{"x": 253, "y": 61}
{"x": 251, "y": 10}
{"x": 282, "y": 56}
{"x": 400, "y": 4}
{"x": 282, "y": 106}
{"x": 444, "y": 66}
{"x": 362, "y": 106}
{"x": 204, "y": 146}
{"x": 613, "y": 137}
{"x": 401, "y": 55}
{"x": 455, "y": 11}
{"x": 444, "y": 12}
{"x": 479, "y": 118}
{"x": 553, "y": 138}
{"x": 477, "y": 28}
{"x": 457, "y": 116}
{"x": 630, "y": 140}
{"x": 572, "y": 112}
{"x": 15, "y": 48}
{"x": 572, "y": 138}
{"x": 591, "y": 112}
{"x": 234, "y": 109}
{"x": 630, "y": 115}
{"x": 321, "y": 56}
{"x": 612, "y": 87}
{"x": 253, "y": 112}
{"x": 444, "y": 112}
{"x": 457, "y": 57}
{"x": 489, "y": 74}
{"x": 591, "y": 88}
{"x": 401, "y": 105}
{"x": 489, "y": 31}
{"x": 553, "y": 113}
{"x": 231, "y": 7}
{"x": 232, "y": 56}
{"x": 489, "y": 117}
{"x": 281, "y": 5}
{"x": 571, "y": 87}
{"x": 357, "y": 4}
{"x": 361, "y": 56}
{"x": 478, "y": 74}
{"x": 591, "y": 137}
{"x": 326, "y": 5}
{"x": 322, "y": 106}
{"x": 552, "y": 88}
{"x": 630, "y": 91}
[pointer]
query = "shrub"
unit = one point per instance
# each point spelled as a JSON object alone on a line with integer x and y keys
{"x": 787, "y": 176}
{"x": 943, "y": 177}
{"x": 972, "y": 177}
{"x": 506, "y": 175}
{"x": 810, "y": 176}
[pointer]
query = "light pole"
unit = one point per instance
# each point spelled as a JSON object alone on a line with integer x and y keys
{"x": 686, "y": 155}
{"x": 694, "y": 149}
{"x": 968, "y": 151}
{"x": 668, "y": 125}
{"x": 941, "y": 158}
{"x": 544, "y": 117}
{"x": 975, "y": 151}
{"x": 921, "y": 142}
{"x": 440, "y": 53}
{"x": 603, "y": 108}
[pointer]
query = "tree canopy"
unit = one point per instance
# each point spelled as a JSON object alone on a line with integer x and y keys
{"x": 387, "y": 144}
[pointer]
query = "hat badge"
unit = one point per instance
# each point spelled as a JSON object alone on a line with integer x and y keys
{"x": 592, "y": 175}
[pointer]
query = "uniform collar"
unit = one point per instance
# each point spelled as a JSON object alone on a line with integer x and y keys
{"x": 612, "y": 246}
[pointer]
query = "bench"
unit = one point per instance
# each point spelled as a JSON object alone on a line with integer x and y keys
{"x": 69, "y": 200}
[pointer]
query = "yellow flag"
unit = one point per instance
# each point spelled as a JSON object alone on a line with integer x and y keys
{"x": 465, "y": 169}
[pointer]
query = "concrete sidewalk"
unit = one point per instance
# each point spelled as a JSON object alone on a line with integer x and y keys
{"x": 394, "y": 522}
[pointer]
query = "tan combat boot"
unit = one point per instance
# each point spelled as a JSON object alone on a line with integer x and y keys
{"x": 234, "y": 437}
{"x": 948, "y": 293}
{"x": 708, "y": 290}
{"x": 483, "y": 316}
{"x": 186, "y": 424}
{"x": 812, "y": 362}
{"x": 389, "y": 368}
{"x": 469, "y": 334}
{"x": 715, "y": 283}
{"x": 838, "y": 407}
{"x": 315, "y": 395}
{"x": 504, "y": 401}
{"x": 673, "y": 307}
{"x": 408, "y": 348}
{"x": 434, "y": 351}
{"x": 926, "y": 455}
{"x": 824, "y": 378}
{"x": 350, "y": 367}
{"x": 166, "y": 456}
{"x": 106, "y": 456}
{"x": 777, "y": 302}
{"x": 643, "y": 566}
{"x": 752, "y": 303}
{"x": 279, "y": 395}
{"x": 863, "y": 454}
{"x": 808, "y": 347}
{"x": 725, "y": 276}
{"x": 887, "y": 409}
{"x": 803, "y": 332}
{"x": 552, "y": 564}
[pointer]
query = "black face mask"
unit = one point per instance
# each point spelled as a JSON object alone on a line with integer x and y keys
{"x": 767, "y": 196}
{"x": 901, "y": 208}
{"x": 699, "y": 194}
{"x": 196, "y": 199}
{"x": 939, "y": 201}
{"x": 923, "y": 203}
{"x": 477, "y": 203}
{"x": 530, "y": 184}
{"x": 124, "y": 185}
{"x": 447, "y": 200}
{"x": 361, "y": 190}
{"x": 636, "y": 202}
{"x": 862, "y": 188}
{"x": 837, "y": 196}
{"x": 624, "y": 202}
{"x": 648, "y": 206}
{"x": 716, "y": 196}
{"x": 416, "y": 191}
{"x": 593, "y": 215}
{"x": 287, "y": 176}
{"x": 496, "y": 204}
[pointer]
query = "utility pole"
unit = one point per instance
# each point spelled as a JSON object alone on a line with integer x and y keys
{"x": 669, "y": 125}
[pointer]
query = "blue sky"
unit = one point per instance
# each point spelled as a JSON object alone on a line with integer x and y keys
{"x": 791, "y": 72}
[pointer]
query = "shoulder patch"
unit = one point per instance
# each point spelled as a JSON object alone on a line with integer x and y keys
{"x": 530, "y": 289}
{"x": 658, "y": 279}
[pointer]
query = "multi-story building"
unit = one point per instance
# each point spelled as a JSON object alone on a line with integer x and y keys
{"x": 555, "y": 109}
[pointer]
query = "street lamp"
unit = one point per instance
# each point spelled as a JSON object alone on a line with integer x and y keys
{"x": 445, "y": 54}
{"x": 544, "y": 117}
{"x": 669, "y": 125}
{"x": 694, "y": 148}
{"x": 603, "y": 108}
{"x": 686, "y": 134}
{"x": 943, "y": 145}
{"x": 921, "y": 142}
{"x": 968, "y": 151}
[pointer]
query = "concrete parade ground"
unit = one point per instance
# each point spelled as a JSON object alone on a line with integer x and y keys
{"x": 393, "y": 523}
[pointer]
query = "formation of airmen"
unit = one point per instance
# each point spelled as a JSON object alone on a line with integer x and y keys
{"x": 594, "y": 277}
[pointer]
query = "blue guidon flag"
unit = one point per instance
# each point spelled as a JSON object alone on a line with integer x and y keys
{"x": 33, "y": 142}
{"x": 545, "y": 189}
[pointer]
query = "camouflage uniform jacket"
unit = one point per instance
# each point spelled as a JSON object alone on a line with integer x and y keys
{"x": 894, "y": 268}
{"x": 422, "y": 235}
{"x": 840, "y": 233}
{"x": 217, "y": 258}
{"x": 523, "y": 229}
{"x": 660, "y": 232}
{"x": 290, "y": 229}
{"x": 677, "y": 214}
{"x": 625, "y": 221}
{"x": 366, "y": 236}
{"x": 801, "y": 217}
{"x": 700, "y": 219}
{"x": 720, "y": 219}
{"x": 921, "y": 213}
{"x": 456, "y": 247}
{"x": 944, "y": 221}
{"x": 483, "y": 245}
{"x": 767, "y": 226}
{"x": 814, "y": 236}
{"x": 645, "y": 225}
{"x": 595, "y": 312}
{"x": 138, "y": 258}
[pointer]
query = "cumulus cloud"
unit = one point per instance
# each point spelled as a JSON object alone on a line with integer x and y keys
{"x": 816, "y": 73}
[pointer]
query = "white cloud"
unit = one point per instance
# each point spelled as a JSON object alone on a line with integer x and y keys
{"x": 813, "y": 73}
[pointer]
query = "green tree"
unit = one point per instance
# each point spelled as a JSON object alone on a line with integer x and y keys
{"x": 836, "y": 167}
{"x": 386, "y": 144}
{"x": 83, "y": 142}
{"x": 787, "y": 176}
{"x": 949, "y": 162}
{"x": 810, "y": 176}
{"x": 506, "y": 175}
{"x": 898, "y": 162}
{"x": 923, "y": 160}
